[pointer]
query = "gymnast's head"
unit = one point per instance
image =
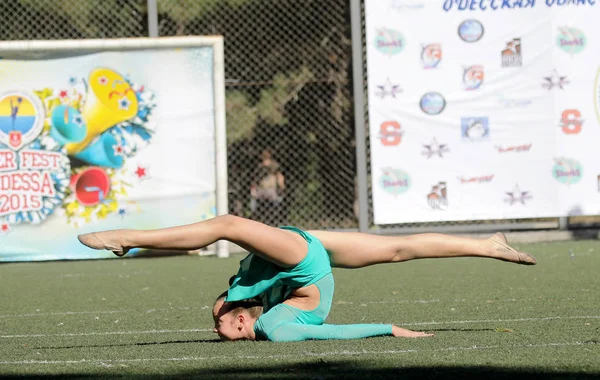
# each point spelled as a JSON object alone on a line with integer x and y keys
{"x": 235, "y": 320}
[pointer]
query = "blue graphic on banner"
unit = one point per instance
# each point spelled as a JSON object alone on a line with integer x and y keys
{"x": 432, "y": 103}
{"x": 571, "y": 40}
{"x": 567, "y": 170}
{"x": 394, "y": 181}
{"x": 494, "y": 5}
{"x": 389, "y": 41}
{"x": 475, "y": 128}
{"x": 470, "y": 30}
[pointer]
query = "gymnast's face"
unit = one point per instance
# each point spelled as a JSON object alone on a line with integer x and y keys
{"x": 227, "y": 325}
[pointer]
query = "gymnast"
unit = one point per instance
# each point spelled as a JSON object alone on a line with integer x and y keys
{"x": 283, "y": 290}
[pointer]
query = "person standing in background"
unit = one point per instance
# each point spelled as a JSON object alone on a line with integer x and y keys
{"x": 267, "y": 191}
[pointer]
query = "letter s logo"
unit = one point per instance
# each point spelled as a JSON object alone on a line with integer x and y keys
{"x": 390, "y": 134}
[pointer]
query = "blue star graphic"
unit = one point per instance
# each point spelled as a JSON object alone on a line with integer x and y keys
{"x": 78, "y": 120}
{"x": 124, "y": 104}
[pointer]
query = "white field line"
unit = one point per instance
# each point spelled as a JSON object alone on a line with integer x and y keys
{"x": 284, "y": 356}
{"x": 500, "y": 320}
{"x": 63, "y": 313}
{"x": 210, "y": 306}
{"x": 100, "y": 312}
{"x": 210, "y": 329}
{"x": 107, "y": 333}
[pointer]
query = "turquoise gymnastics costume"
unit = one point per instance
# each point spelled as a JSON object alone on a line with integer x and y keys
{"x": 273, "y": 284}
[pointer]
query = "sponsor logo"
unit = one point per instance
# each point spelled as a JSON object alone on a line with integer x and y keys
{"x": 394, "y": 181}
{"x": 431, "y": 55}
{"x": 571, "y": 40}
{"x": 493, "y": 5}
{"x": 597, "y": 95}
{"x": 34, "y": 171}
{"x": 513, "y": 103}
{"x": 473, "y": 77}
{"x": 475, "y": 128}
{"x": 559, "y": 3}
{"x": 389, "y": 41}
{"x": 515, "y": 148}
{"x": 432, "y": 103}
{"x": 555, "y": 81}
{"x": 511, "y": 55}
{"x": 470, "y": 30}
{"x": 388, "y": 89}
{"x": 437, "y": 198}
{"x": 405, "y": 5}
{"x": 567, "y": 170}
{"x": 480, "y": 179}
{"x": 517, "y": 196}
{"x": 571, "y": 122}
{"x": 21, "y": 118}
{"x": 390, "y": 134}
{"x": 435, "y": 149}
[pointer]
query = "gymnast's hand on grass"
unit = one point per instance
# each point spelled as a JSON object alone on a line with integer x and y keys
{"x": 399, "y": 332}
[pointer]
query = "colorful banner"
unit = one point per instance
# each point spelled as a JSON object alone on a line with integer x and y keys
{"x": 483, "y": 109}
{"x": 103, "y": 141}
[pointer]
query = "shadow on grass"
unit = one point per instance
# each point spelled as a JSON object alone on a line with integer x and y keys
{"x": 334, "y": 370}
{"x": 130, "y": 344}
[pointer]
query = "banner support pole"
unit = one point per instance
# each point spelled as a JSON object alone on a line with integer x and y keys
{"x": 359, "y": 116}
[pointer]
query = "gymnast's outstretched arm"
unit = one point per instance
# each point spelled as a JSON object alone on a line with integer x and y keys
{"x": 295, "y": 332}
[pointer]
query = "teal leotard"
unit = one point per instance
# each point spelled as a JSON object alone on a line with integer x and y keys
{"x": 273, "y": 284}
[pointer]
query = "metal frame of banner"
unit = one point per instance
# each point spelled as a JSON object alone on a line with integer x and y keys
{"x": 359, "y": 116}
{"x": 32, "y": 48}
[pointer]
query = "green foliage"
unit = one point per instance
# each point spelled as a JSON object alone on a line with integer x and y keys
{"x": 88, "y": 18}
{"x": 273, "y": 100}
{"x": 184, "y": 11}
{"x": 242, "y": 117}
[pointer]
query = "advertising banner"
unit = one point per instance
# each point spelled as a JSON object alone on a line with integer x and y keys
{"x": 483, "y": 109}
{"x": 107, "y": 140}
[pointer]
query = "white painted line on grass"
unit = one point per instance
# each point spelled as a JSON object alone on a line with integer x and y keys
{"x": 187, "y": 308}
{"x": 63, "y": 313}
{"x": 499, "y": 320}
{"x": 284, "y": 356}
{"x": 102, "y": 312}
{"x": 106, "y": 333}
{"x": 210, "y": 329}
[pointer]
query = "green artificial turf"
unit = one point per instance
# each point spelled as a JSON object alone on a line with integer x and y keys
{"x": 151, "y": 318}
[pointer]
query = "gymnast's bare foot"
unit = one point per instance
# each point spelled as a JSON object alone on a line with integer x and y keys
{"x": 110, "y": 240}
{"x": 502, "y": 251}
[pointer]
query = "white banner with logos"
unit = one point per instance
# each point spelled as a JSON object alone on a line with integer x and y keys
{"x": 483, "y": 109}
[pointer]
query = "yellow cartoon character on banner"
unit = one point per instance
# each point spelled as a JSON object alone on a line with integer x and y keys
{"x": 110, "y": 101}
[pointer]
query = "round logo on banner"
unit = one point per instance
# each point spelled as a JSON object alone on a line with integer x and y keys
{"x": 389, "y": 41}
{"x": 394, "y": 181}
{"x": 432, "y": 103}
{"x": 567, "y": 170}
{"x": 431, "y": 55}
{"x": 571, "y": 40}
{"x": 473, "y": 77}
{"x": 21, "y": 118}
{"x": 34, "y": 171}
{"x": 470, "y": 30}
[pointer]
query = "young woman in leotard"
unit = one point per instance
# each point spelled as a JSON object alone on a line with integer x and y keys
{"x": 289, "y": 271}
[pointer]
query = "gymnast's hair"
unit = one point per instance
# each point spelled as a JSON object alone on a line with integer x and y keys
{"x": 253, "y": 306}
